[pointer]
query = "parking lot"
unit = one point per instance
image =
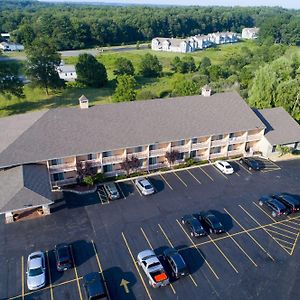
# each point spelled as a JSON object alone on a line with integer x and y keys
{"x": 256, "y": 258}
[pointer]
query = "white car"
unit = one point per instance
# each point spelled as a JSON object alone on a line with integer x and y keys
{"x": 144, "y": 186}
{"x": 224, "y": 167}
{"x": 36, "y": 271}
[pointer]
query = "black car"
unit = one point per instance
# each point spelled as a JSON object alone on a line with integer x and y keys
{"x": 211, "y": 222}
{"x": 176, "y": 263}
{"x": 194, "y": 225}
{"x": 252, "y": 163}
{"x": 63, "y": 257}
{"x": 276, "y": 207}
{"x": 289, "y": 201}
{"x": 94, "y": 286}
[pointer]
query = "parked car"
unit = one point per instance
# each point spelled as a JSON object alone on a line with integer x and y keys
{"x": 111, "y": 191}
{"x": 144, "y": 186}
{"x": 289, "y": 201}
{"x": 36, "y": 271}
{"x": 194, "y": 226}
{"x": 63, "y": 257}
{"x": 251, "y": 163}
{"x": 94, "y": 286}
{"x": 153, "y": 268}
{"x": 224, "y": 167}
{"x": 176, "y": 263}
{"x": 211, "y": 223}
{"x": 273, "y": 205}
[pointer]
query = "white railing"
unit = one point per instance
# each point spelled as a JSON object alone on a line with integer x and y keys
{"x": 158, "y": 166}
{"x": 158, "y": 152}
{"x": 182, "y": 148}
{"x": 139, "y": 155}
{"x": 200, "y": 145}
{"x": 62, "y": 167}
{"x": 94, "y": 162}
{"x": 237, "y": 139}
{"x": 64, "y": 182}
{"x": 219, "y": 143}
{"x": 113, "y": 159}
{"x": 215, "y": 155}
{"x": 235, "y": 152}
{"x": 254, "y": 137}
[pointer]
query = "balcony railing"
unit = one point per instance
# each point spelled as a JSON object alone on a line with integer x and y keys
{"x": 158, "y": 152}
{"x": 112, "y": 159}
{"x": 216, "y": 143}
{"x": 94, "y": 162}
{"x": 254, "y": 137}
{"x": 215, "y": 155}
{"x": 139, "y": 155}
{"x": 158, "y": 166}
{"x": 235, "y": 152}
{"x": 182, "y": 148}
{"x": 64, "y": 182}
{"x": 62, "y": 168}
{"x": 237, "y": 139}
{"x": 200, "y": 145}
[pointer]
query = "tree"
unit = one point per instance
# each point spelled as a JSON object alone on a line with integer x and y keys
{"x": 205, "y": 62}
{"x": 42, "y": 64}
{"x": 123, "y": 66}
{"x": 10, "y": 83}
{"x": 183, "y": 87}
{"x": 125, "y": 90}
{"x": 134, "y": 163}
{"x": 84, "y": 169}
{"x": 175, "y": 64}
{"x": 188, "y": 64}
{"x": 88, "y": 180}
{"x": 125, "y": 165}
{"x": 150, "y": 66}
{"x": 90, "y": 72}
{"x": 130, "y": 164}
{"x": 172, "y": 156}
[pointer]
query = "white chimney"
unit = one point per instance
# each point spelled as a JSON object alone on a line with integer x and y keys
{"x": 83, "y": 102}
{"x": 206, "y": 91}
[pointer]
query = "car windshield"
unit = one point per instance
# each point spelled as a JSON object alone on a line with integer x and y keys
{"x": 148, "y": 187}
{"x": 35, "y": 272}
{"x": 228, "y": 167}
{"x": 63, "y": 252}
{"x": 214, "y": 221}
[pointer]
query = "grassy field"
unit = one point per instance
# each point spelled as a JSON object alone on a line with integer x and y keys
{"x": 36, "y": 98}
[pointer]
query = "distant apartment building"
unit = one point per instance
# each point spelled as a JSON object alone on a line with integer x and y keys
{"x": 9, "y": 46}
{"x": 250, "y": 33}
{"x": 40, "y": 152}
{"x": 193, "y": 43}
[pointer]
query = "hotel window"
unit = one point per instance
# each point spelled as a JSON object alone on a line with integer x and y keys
{"x": 215, "y": 150}
{"x": 92, "y": 156}
{"x": 138, "y": 149}
{"x": 194, "y": 141}
{"x": 55, "y": 162}
{"x": 217, "y": 137}
{"x": 152, "y": 160}
{"x": 152, "y": 147}
{"x": 107, "y": 153}
{"x": 107, "y": 168}
{"x": 230, "y": 147}
{"x": 193, "y": 153}
{"x": 58, "y": 176}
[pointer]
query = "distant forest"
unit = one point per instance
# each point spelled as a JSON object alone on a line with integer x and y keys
{"x": 73, "y": 26}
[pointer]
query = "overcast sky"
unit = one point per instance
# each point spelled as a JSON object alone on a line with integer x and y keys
{"x": 286, "y": 3}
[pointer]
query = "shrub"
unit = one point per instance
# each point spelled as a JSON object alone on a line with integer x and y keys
{"x": 98, "y": 178}
{"x": 88, "y": 180}
{"x": 189, "y": 162}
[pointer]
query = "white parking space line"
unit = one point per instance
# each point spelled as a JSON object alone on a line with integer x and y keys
{"x": 206, "y": 174}
{"x": 49, "y": 274}
{"x": 164, "y": 179}
{"x": 244, "y": 168}
{"x": 219, "y": 171}
{"x": 180, "y": 179}
{"x": 136, "y": 188}
{"x": 123, "y": 195}
{"x": 193, "y": 176}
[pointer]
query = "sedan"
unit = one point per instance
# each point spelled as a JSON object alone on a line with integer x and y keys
{"x": 36, "y": 270}
{"x": 252, "y": 163}
{"x": 211, "y": 222}
{"x": 111, "y": 191}
{"x": 176, "y": 263}
{"x": 289, "y": 201}
{"x": 274, "y": 206}
{"x": 144, "y": 186}
{"x": 224, "y": 167}
{"x": 194, "y": 226}
{"x": 63, "y": 257}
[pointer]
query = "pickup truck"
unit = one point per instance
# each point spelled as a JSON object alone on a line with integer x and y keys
{"x": 153, "y": 268}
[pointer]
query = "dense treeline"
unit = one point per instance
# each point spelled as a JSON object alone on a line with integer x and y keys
{"x": 72, "y": 26}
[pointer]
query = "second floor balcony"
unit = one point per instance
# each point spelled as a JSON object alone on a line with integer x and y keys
{"x": 201, "y": 145}
{"x": 66, "y": 167}
{"x": 139, "y": 155}
{"x": 237, "y": 139}
{"x": 182, "y": 148}
{"x": 254, "y": 137}
{"x": 158, "y": 152}
{"x": 221, "y": 142}
{"x": 113, "y": 159}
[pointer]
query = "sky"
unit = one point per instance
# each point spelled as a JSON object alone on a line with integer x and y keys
{"x": 282, "y": 3}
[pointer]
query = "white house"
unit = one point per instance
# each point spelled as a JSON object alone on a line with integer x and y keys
{"x": 250, "y": 33}
{"x": 5, "y": 35}
{"x": 67, "y": 72}
{"x": 8, "y": 46}
{"x": 173, "y": 45}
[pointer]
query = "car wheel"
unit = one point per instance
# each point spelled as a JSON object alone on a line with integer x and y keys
{"x": 182, "y": 221}
{"x": 274, "y": 214}
{"x": 210, "y": 230}
{"x": 192, "y": 233}
{"x": 260, "y": 203}
{"x": 249, "y": 168}
{"x": 241, "y": 161}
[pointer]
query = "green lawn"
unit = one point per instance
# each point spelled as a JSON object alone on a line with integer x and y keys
{"x": 36, "y": 98}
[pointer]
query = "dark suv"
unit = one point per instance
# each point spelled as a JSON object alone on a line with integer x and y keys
{"x": 289, "y": 201}
{"x": 94, "y": 286}
{"x": 276, "y": 207}
{"x": 176, "y": 262}
{"x": 63, "y": 257}
{"x": 211, "y": 223}
{"x": 251, "y": 163}
{"x": 194, "y": 226}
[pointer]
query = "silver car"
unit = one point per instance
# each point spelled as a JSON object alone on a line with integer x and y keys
{"x": 112, "y": 191}
{"x": 144, "y": 186}
{"x": 36, "y": 270}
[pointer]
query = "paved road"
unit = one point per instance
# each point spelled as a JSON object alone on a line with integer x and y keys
{"x": 75, "y": 53}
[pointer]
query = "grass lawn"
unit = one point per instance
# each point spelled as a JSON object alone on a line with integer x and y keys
{"x": 36, "y": 98}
